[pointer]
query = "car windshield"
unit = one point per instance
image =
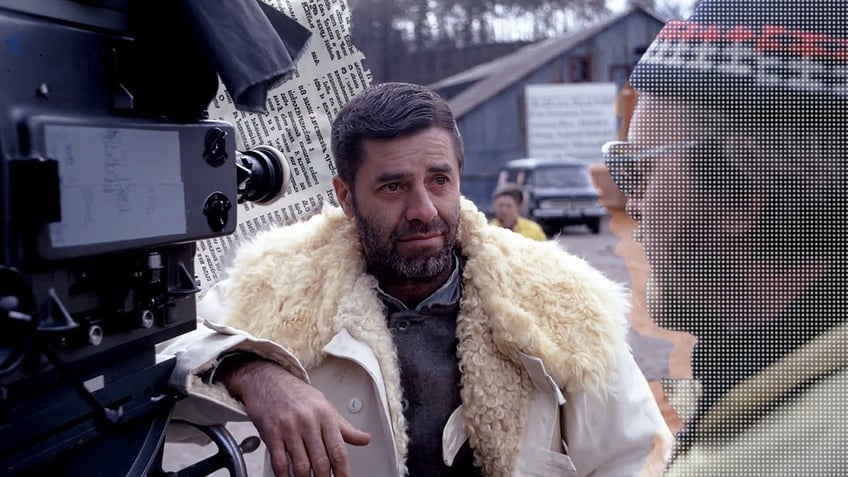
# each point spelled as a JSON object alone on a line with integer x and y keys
{"x": 563, "y": 177}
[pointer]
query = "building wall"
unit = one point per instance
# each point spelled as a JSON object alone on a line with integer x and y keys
{"x": 425, "y": 67}
{"x": 493, "y": 132}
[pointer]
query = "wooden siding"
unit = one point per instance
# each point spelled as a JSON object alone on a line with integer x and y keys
{"x": 493, "y": 133}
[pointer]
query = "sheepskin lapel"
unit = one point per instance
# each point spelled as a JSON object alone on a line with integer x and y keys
{"x": 523, "y": 297}
{"x": 362, "y": 315}
{"x": 494, "y": 392}
{"x": 536, "y": 300}
{"x": 301, "y": 284}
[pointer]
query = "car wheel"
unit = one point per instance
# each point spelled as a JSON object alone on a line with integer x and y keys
{"x": 551, "y": 229}
{"x": 595, "y": 226}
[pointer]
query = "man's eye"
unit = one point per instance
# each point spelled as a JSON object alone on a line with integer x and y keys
{"x": 442, "y": 180}
{"x": 392, "y": 187}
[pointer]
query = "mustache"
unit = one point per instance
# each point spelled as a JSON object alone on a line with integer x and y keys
{"x": 418, "y": 227}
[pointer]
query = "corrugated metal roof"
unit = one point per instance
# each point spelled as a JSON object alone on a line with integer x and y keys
{"x": 496, "y": 75}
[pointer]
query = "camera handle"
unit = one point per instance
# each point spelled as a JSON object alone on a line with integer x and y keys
{"x": 230, "y": 454}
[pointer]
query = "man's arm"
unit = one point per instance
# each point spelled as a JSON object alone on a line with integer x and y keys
{"x": 200, "y": 352}
{"x": 229, "y": 375}
{"x": 300, "y": 427}
{"x": 535, "y": 231}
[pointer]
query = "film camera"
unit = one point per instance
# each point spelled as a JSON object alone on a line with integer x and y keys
{"x": 109, "y": 173}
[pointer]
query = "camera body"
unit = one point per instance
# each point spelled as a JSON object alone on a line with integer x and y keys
{"x": 104, "y": 192}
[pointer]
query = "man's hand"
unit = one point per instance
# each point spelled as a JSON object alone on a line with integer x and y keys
{"x": 296, "y": 422}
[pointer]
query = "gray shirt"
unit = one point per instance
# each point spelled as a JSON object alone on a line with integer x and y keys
{"x": 425, "y": 338}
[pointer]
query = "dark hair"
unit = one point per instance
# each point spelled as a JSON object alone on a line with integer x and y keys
{"x": 385, "y": 111}
{"x": 510, "y": 189}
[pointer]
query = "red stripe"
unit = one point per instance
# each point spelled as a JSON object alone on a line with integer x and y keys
{"x": 769, "y": 38}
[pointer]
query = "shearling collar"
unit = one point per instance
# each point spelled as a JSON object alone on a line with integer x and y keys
{"x": 300, "y": 285}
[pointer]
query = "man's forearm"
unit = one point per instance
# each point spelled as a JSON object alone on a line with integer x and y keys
{"x": 235, "y": 372}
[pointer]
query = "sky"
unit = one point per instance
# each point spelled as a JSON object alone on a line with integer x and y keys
{"x": 619, "y": 5}
{"x": 509, "y": 29}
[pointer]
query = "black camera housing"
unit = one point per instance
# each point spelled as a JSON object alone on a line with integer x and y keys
{"x": 108, "y": 175}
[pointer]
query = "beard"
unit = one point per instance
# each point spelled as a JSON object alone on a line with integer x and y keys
{"x": 381, "y": 251}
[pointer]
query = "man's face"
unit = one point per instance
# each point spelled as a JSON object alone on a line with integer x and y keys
{"x": 694, "y": 264}
{"x": 405, "y": 200}
{"x": 506, "y": 210}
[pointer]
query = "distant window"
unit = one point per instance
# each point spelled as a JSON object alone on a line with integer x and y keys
{"x": 579, "y": 69}
{"x": 571, "y": 177}
{"x": 516, "y": 176}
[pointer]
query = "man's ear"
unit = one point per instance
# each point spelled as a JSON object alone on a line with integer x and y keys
{"x": 344, "y": 193}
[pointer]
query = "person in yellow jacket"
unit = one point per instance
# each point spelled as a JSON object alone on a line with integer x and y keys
{"x": 508, "y": 199}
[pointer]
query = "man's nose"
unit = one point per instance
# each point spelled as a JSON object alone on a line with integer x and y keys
{"x": 420, "y": 206}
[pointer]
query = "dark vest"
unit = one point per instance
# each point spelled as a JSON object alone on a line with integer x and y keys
{"x": 426, "y": 344}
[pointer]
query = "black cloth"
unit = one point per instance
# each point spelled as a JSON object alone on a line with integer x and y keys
{"x": 253, "y": 46}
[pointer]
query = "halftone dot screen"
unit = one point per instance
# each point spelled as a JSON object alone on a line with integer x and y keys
{"x": 745, "y": 228}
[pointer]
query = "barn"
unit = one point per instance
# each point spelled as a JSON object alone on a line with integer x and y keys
{"x": 488, "y": 99}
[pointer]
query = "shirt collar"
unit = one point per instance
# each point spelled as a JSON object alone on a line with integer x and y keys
{"x": 447, "y": 295}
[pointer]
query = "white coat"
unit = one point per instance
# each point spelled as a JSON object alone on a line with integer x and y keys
{"x": 549, "y": 386}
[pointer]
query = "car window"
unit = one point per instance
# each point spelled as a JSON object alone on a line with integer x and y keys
{"x": 515, "y": 175}
{"x": 571, "y": 177}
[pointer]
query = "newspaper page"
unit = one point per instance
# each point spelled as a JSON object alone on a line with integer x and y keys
{"x": 329, "y": 73}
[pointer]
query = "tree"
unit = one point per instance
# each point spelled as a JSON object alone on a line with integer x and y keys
{"x": 427, "y": 23}
{"x": 374, "y": 33}
{"x": 388, "y": 29}
{"x": 649, "y": 5}
{"x": 679, "y": 9}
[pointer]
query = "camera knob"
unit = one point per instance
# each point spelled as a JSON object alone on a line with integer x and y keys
{"x": 215, "y": 147}
{"x": 217, "y": 211}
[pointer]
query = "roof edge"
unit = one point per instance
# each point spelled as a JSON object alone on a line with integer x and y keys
{"x": 488, "y": 87}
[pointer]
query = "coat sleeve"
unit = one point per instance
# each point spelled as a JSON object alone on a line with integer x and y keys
{"x": 198, "y": 354}
{"x": 621, "y": 434}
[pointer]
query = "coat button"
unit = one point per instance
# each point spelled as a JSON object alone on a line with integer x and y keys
{"x": 402, "y": 324}
{"x": 404, "y": 404}
{"x": 354, "y": 405}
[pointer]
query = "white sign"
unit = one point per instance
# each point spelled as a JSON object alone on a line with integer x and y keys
{"x": 570, "y": 120}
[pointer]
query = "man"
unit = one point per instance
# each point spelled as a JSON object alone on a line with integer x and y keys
{"x": 429, "y": 341}
{"x": 737, "y": 176}
{"x": 508, "y": 199}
